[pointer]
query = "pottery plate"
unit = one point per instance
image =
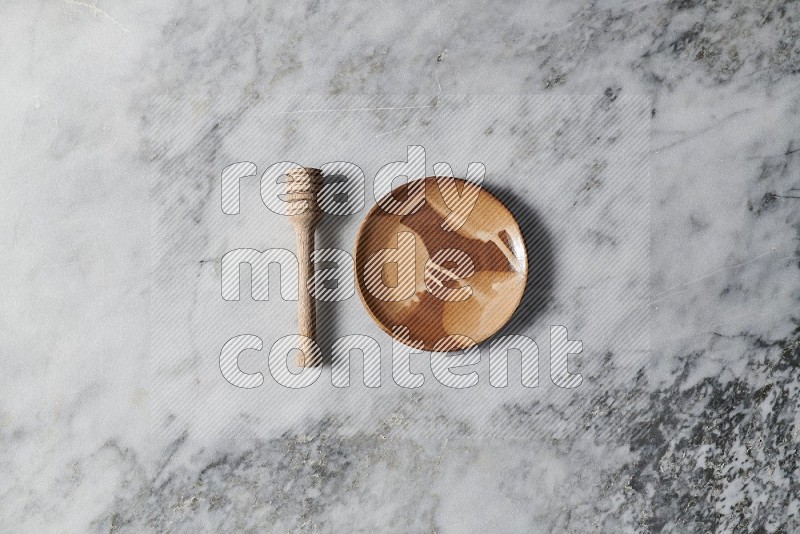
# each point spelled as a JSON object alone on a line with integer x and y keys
{"x": 440, "y": 264}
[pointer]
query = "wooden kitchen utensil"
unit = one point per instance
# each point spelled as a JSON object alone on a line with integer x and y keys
{"x": 302, "y": 188}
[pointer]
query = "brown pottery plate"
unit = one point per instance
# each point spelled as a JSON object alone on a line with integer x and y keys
{"x": 435, "y": 274}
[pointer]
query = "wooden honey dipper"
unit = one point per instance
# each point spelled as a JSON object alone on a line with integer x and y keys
{"x": 302, "y": 187}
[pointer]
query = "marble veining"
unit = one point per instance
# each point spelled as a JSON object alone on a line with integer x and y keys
{"x": 106, "y": 104}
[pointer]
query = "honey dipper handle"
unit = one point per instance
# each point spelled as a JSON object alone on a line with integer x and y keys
{"x": 306, "y": 307}
{"x": 302, "y": 187}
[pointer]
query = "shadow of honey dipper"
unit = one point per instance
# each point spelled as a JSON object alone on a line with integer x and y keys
{"x": 302, "y": 187}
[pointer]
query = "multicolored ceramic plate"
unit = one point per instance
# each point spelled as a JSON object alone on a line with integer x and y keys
{"x": 440, "y": 271}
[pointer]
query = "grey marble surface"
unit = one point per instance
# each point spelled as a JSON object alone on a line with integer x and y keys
{"x": 116, "y": 114}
